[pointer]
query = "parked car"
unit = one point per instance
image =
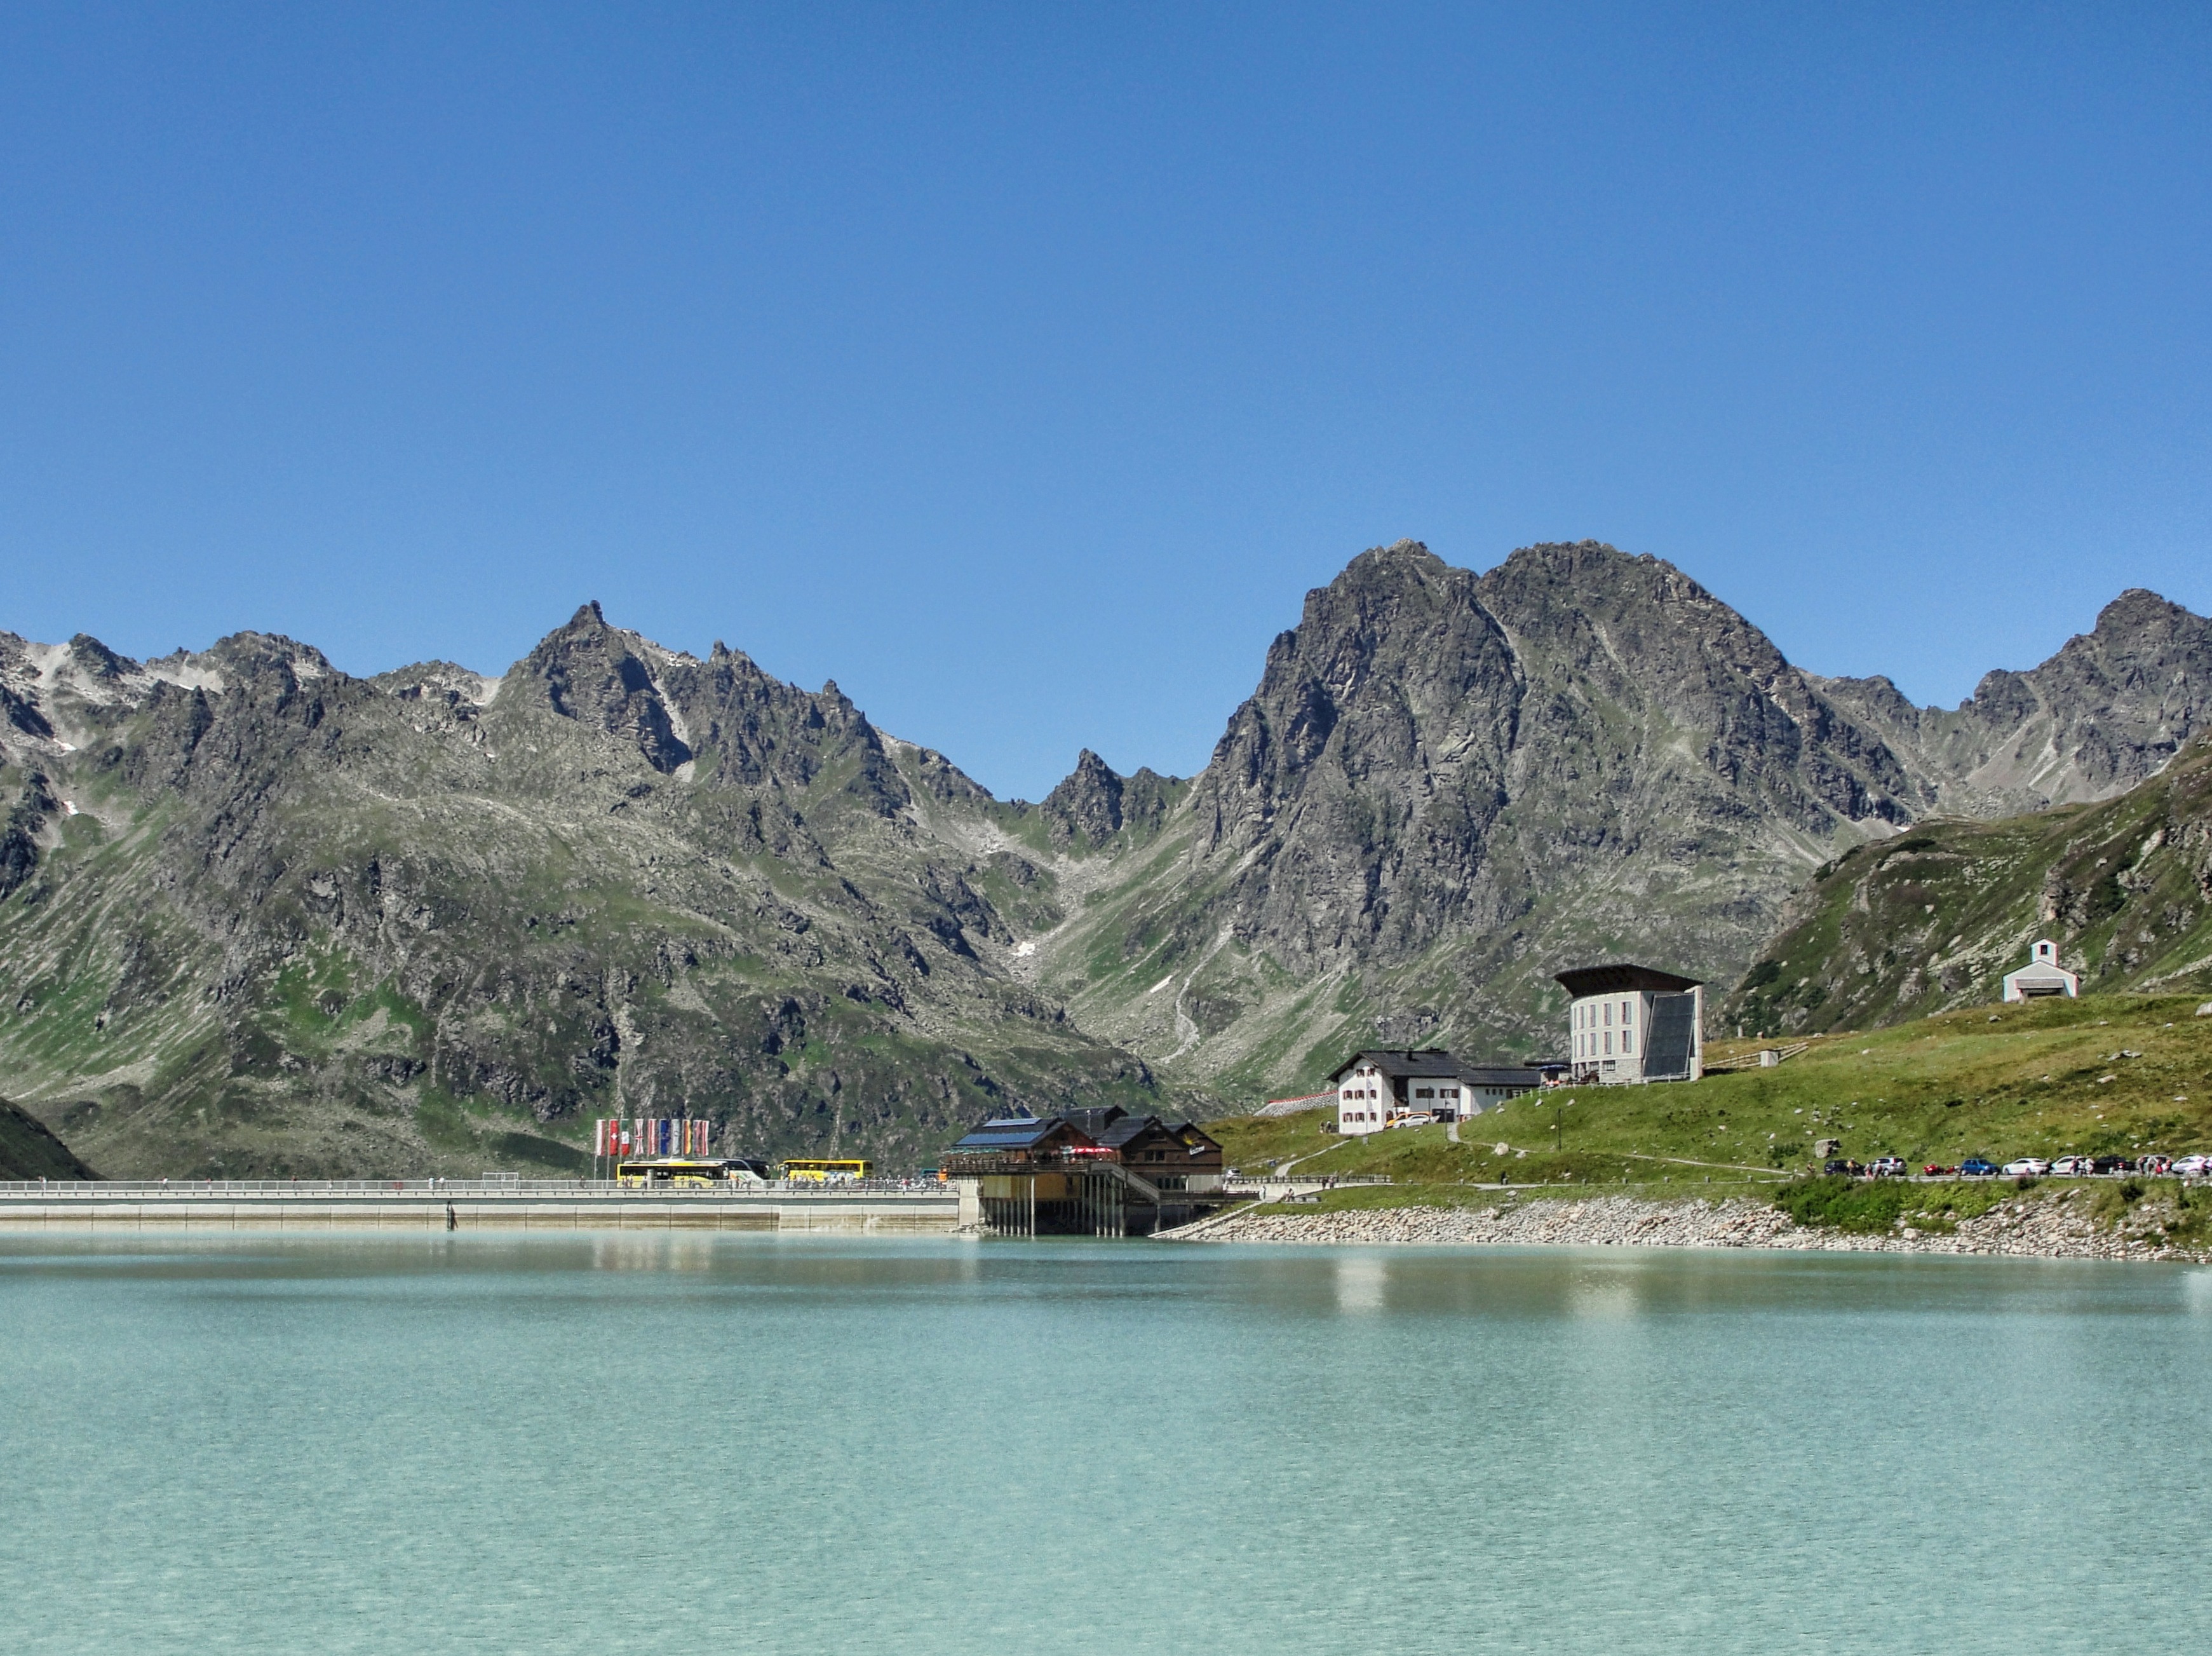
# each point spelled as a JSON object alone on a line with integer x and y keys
{"x": 1841, "y": 1165}
{"x": 2193, "y": 1167}
{"x": 2155, "y": 1164}
{"x": 2112, "y": 1165}
{"x": 1937, "y": 1170}
{"x": 2073, "y": 1166}
{"x": 1886, "y": 1167}
{"x": 1978, "y": 1167}
{"x": 2026, "y": 1168}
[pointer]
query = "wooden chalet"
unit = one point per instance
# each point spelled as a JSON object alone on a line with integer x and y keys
{"x": 1090, "y": 1172}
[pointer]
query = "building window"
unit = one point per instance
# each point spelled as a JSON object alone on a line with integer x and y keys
{"x": 1628, "y": 1012}
{"x": 1608, "y": 1014}
{"x": 1627, "y": 1042}
{"x": 1608, "y": 1041}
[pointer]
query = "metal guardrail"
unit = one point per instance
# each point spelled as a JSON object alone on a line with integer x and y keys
{"x": 1318, "y": 1181}
{"x": 475, "y": 1188}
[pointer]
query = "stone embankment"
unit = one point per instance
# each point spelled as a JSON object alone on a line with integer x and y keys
{"x": 2044, "y": 1228}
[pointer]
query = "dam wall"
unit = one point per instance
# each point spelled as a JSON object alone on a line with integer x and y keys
{"x": 473, "y": 1205}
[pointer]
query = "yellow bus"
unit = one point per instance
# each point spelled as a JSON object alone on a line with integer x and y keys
{"x": 832, "y": 1171}
{"x": 683, "y": 1173}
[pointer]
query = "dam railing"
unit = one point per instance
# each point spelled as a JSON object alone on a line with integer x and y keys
{"x": 201, "y": 1188}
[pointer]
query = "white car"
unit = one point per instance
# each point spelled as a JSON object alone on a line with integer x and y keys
{"x": 2192, "y": 1167}
{"x": 2073, "y": 1166}
{"x": 2031, "y": 1166}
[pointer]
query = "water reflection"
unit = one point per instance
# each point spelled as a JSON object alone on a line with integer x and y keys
{"x": 1361, "y": 1281}
{"x": 619, "y": 1250}
{"x": 1605, "y": 1293}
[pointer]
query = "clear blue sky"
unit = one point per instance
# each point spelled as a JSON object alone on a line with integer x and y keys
{"x": 1020, "y": 366}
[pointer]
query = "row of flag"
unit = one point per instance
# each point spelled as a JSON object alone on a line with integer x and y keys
{"x": 659, "y": 1135}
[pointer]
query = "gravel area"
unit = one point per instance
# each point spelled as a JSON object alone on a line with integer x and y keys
{"x": 2039, "y": 1227}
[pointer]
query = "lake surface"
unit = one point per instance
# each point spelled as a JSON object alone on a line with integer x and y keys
{"x": 738, "y": 1442}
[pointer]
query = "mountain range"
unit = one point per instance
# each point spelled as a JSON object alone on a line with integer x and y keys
{"x": 259, "y": 916}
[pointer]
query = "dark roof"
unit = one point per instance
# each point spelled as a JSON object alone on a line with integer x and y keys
{"x": 1095, "y": 1121}
{"x": 1606, "y": 980}
{"x": 1399, "y": 1063}
{"x": 1121, "y": 1132}
{"x": 1015, "y": 1133}
{"x": 1434, "y": 1063}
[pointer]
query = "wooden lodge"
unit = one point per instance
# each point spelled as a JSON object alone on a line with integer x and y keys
{"x": 1089, "y": 1172}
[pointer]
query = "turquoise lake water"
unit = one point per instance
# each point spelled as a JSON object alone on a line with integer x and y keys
{"x": 755, "y": 1444}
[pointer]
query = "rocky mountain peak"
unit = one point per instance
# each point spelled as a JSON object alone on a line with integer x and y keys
{"x": 96, "y": 660}
{"x": 1088, "y": 802}
{"x": 270, "y": 657}
{"x": 2140, "y": 610}
{"x": 599, "y": 676}
{"x": 1400, "y": 560}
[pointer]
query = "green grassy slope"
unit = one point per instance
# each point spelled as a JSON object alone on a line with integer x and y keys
{"x": 1996, "y": 1082}
{"x": 1936, "y": 916}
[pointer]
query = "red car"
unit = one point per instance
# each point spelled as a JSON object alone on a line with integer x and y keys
{"x": 1937, "y": 1170}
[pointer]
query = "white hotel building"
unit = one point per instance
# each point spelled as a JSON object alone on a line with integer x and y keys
{"x": 1378, "y": 1087}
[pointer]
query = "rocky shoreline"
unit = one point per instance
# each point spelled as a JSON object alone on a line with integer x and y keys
{"x": 2039, "y": 1227}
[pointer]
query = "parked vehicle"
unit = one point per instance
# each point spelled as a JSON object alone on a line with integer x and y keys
{"x": 1886, "y": 1167}
{"x": 1978, "y": 1167}
{"x": 1844, "y": 1166}
{"x": 2155, "y": 1164}
{"x": 2193, "y": 1167}
{"x": 1937, "y": 1170}
{"x": 2112, "y": 1165}
{"x": 2026, "y": 1168}
{"x": 2073, "y": 1166}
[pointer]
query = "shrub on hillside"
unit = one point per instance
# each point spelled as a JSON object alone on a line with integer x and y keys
{"x": 1843, "y": 1204}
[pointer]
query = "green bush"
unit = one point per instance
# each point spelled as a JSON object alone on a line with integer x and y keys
{"x": 1843, "y": 1204}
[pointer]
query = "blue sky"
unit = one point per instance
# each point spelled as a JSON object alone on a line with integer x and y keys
{"x": 1020, "y": 366}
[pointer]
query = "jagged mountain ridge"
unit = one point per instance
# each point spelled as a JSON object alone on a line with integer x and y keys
{"x": 2108, "y": 709}
{"x": 266, "y": 915}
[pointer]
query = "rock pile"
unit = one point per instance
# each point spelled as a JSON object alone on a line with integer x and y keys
{"x": 2040, "y": 1228}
